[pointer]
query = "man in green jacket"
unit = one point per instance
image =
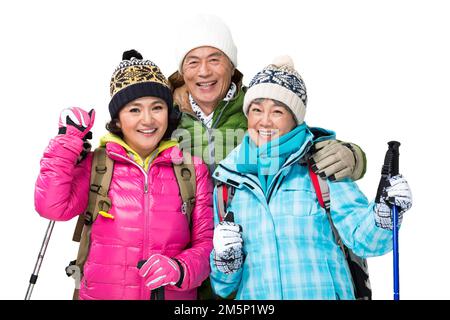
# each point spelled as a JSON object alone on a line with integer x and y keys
{"x": 208, "y": 90}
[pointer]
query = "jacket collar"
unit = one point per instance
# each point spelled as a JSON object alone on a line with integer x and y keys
{"x": 227, "y": 170}
{"x": 118, "y": 150}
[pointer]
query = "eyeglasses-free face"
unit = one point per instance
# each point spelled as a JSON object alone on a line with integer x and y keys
{"x": 207, "y": 73}
{"x": 267, "y": 120}
{"x": 143, "y": 123}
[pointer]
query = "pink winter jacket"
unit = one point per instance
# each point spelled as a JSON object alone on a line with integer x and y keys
{"x": 147, "y": 218}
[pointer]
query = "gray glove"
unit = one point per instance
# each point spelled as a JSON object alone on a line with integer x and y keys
{"x": 397, "y": 192}
{"x": 227, "y": 240}
{"x": 337, "y": 160}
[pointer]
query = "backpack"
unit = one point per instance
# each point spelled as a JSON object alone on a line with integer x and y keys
{"x": 358, "y": 266}
{"x": 99, "y": 203}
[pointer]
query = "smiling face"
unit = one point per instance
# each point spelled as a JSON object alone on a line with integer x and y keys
{"x": 268, "y": 119}
{"x": 207, "y": 72}
{"x": 143, "y": 123}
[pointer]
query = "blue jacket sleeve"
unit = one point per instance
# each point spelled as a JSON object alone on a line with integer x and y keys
{"x": 353, "y": 217}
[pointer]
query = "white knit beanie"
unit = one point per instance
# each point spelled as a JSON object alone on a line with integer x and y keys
{"x": 279, "y": 81}
{"x": 204, "y": 31}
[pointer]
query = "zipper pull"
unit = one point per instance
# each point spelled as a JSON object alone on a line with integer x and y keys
{"x": 106, "y": 214}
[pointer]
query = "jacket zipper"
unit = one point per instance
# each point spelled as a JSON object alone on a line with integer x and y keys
{"x": 211, "y": 144}
{"x": 135, "y": 164}
{"x": 283, "y": 168}
{"x": 265, "y": 203}
{"x": 209, "y": 136}
{"x": 146, "y": 204}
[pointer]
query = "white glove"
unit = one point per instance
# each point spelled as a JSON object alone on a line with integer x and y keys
{"x": 396, "y": 193}
{"x": 227, "y": 241}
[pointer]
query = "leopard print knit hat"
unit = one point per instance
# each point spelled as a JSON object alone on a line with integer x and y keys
{"x": 136, "y": 78}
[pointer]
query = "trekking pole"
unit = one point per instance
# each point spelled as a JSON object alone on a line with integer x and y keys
{"x": 390, "y": 168}
{"x": 40, "y": 258}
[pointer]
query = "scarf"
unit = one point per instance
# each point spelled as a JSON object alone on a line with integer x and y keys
{"x": 265, "y": 161}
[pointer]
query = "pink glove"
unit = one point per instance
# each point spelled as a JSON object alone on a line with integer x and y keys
{"x": 159, "y": 271}
{"x": 76, "y": 122}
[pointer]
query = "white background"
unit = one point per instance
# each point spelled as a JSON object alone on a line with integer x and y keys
{"x": 375, "y": 71}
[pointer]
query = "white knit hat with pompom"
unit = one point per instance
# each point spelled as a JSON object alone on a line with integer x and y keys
{"x": 279, "y": 81}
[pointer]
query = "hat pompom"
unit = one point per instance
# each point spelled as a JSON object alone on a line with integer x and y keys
{"x": 127, "y": 55}
{"x": 283, "y": 61}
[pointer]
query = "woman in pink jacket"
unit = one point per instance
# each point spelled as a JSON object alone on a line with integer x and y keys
{"x": 146, "y": 222}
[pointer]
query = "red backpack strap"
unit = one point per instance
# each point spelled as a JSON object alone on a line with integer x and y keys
{"x": 323, "y": 196}
{"x": 322, "y": 189}
{"x": 316, "y": 185}
{"x": 222, "y": 199}
{"x": 225, "y": 194}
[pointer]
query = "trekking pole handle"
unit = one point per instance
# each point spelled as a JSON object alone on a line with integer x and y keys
{"x": 392, "y": 158}
{"x": 229, "y": 216}
{"x": 390, "y": 166}
{"x": 141, "y": 263}
{"x": 158, "y": 292}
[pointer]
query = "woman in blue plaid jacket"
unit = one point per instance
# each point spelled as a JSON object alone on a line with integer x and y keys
{"x": 280, "y": 244}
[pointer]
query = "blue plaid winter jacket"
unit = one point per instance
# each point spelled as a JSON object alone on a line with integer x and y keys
{"x": 290, "y": 252}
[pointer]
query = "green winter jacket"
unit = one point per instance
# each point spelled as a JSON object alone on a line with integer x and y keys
{"x": 229, "y": 126}
{"x": 215, "y": 143}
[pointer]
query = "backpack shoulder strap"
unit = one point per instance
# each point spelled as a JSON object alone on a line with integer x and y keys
{"x": 98, "y": 203}
{"x": 101, "y": 175}
{"x": 357, "y": 265}
{"x": 323, "y": 196}
{"x": 186, "y": 178}
{"x": 225, "y": 194}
